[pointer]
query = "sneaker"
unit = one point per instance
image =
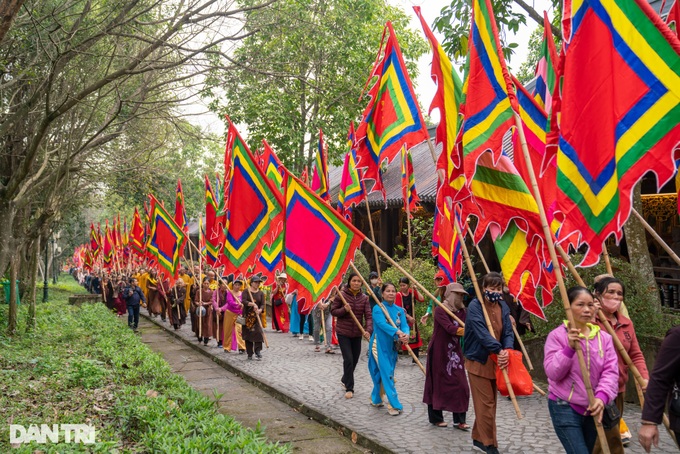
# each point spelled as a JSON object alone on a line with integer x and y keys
{"x": 219, "y": 345}
{"x": 302, "y": 337}
{"x": 625, "y": 439}
{"x": 349, "y": 395}
{"x": 479, "y": 446}
{"x": 250, "y": 358}
{"x": 311, "y": 338}
{"x": 491, "y": 450}
{"x": 259, "y": 356}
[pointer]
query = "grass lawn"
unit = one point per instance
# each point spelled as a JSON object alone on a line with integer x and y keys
{"x": 84, "y": 366}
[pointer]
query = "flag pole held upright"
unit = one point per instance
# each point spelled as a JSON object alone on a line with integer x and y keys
{"x": 387, "y": 316}
{"x": 558, "y": 274}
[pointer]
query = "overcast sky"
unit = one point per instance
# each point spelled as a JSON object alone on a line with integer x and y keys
{"x": 424, "y": 85}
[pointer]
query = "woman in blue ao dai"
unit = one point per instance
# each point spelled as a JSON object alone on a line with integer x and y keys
{"x": 384, "y": 347}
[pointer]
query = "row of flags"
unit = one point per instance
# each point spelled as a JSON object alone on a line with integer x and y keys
{"x": 591, "y": 135}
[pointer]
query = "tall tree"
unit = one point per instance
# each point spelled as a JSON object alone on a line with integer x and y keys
{"x": 304, "y": 68}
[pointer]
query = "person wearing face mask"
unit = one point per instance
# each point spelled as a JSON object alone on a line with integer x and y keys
{"x": 610, "y": 292}
{"x": 572, "y": 415}
{"x": 479, "y": 344}
{"x": 383, "y": 353}
{"x": 446, "y": 386}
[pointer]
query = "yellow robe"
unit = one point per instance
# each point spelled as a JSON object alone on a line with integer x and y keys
{"x": 189, "y": 281}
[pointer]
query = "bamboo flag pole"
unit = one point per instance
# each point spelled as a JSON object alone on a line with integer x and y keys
{"x": 391, "y": 261}
{"x": 558, "y": 274}
{"x": 656, "y": 236}
{"x": 387, "y": 317}
{"x": 408, "y": 230}
{"x": 478, "y": 291}
{"x": 200, "y": 296}
{"x": 323, "y": 328}
{"x": 407, "y": 193}
{"x": 617, "y": 343}
{"x": 514, "y": 330}
{"x": 259, "y": 319}
{"x": 370, "y": 225}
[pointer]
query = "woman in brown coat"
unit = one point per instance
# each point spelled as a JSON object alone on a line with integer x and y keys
{"x": 203, "y": 310}
{"x": 349, "y": 334}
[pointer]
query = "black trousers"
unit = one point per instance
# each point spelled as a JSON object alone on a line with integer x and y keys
{"x": 253, "y": 346}
{"x": 303, "y": 318}
{"x": 351, "y": 350}
{"x": 437, "y": 416}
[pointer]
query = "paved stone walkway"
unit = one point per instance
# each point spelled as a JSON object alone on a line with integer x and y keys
{"x": 243, "y": 401}
{"x": 293, "y": 372}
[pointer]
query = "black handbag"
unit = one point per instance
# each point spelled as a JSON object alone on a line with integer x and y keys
{"x": 610, "y": 416}
{"x": 278, "y": 301}
{"x": 674, "y": 406}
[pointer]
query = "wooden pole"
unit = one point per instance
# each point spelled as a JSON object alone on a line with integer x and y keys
{"x": 370, "y": 225}
{"x": 388, "y": 318}
{"x": 607, "y": 262}
{"x": 323, "y": 328}
{"x": 558, "y": 275}
{"x": 481, "y": 257}
{"x": 478, "y": 291}
{"x": 259, "y": 319}
{"x": 408, "y": 231}
{"x": 200, "y": 295}
{"x": 408, "y": 209}
{"x": 656, "y": 237}
{"x": 177, "y": 304}
{"x": 348, "y": 309}
{"x": 413, "y": 279}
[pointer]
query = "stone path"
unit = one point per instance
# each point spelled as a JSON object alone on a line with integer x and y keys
{"x": 294, "y": 373}
{"x": 243, "y": 401}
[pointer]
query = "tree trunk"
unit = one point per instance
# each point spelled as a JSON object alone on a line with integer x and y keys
{"x": 31, "y": 292}
{"x": 8, "y": 9}
{"x": 638, "y": 251}
{"x": 13, "y": 308}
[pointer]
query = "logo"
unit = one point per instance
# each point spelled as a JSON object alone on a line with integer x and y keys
{"x": 72, "y": 433}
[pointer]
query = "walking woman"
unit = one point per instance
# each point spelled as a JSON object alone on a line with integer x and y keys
{"x": 571, "y": 414}
{"x": 479, "y": 344}
{"x": 204, "y": 313}
{"x": 446, "y": 386}
{"x": 610, "y": 292}
{"x": 406, "y": 298}
{"x": 219, "y": 303}
{"x": 232, "y": 337}
{"x": 382, "y": 351}
{"x": 280, "y": 314}
{"x": 176, "y": 312}
{"x": 349, "y": 334}
{"x": 253, "y": 305}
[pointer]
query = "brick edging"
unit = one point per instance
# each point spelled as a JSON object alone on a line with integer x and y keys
{"x": 296, "y": 404}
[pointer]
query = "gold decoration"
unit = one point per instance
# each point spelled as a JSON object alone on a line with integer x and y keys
{"x": 661, "y": 210}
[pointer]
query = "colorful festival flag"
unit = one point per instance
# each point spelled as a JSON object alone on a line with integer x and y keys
{"x": 320, "y": 170}
{"x": 255, "y": 216}
{"x": 304, "y": 177}
{"x": 521, "y": 266}
{"x": 392, "y": 116}
{"x": 126, "y": 236}
{"x": 448, "y": 96}
{"x": 449, "y": 250}
{"x": 166, "y": 239}
{"x": 489, "y": 99}
{"x": 213, "y": 239}
{"x": 546, "y": 75}
{"x": 315, "y": 267}
{"x": 94, "y": 241}
{"x": 673, "y": 18}
{"x": 137, "y": 239}
{"x": 271, "y": 165}
{"x": 352, "y": 191}
{"x": 627, "y": 107}
{"x": 201, "y": 237}
{"x": 180, "y": 210}
{"x": 107, "y": 247}
{"x": 408, "y": 182}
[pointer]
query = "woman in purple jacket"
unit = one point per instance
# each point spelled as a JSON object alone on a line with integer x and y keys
{"x": 571, "y": 414}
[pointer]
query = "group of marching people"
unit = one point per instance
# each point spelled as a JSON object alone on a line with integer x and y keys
{"x": 459, "y": 358}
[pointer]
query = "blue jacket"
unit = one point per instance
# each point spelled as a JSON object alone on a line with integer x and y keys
{"x": 133, "y": 295}
{"x": 477, "y": 340}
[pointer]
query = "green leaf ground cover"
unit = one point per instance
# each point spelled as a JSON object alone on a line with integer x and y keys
{"x": 84, "y": 366}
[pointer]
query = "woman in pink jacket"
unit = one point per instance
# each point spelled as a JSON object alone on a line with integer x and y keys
{"x": 571, "y": 414}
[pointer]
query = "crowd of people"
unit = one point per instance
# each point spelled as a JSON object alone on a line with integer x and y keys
{"x": 461, "y": 359}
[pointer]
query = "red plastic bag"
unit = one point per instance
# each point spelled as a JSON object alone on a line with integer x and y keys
{"x": 520, "y": 380}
